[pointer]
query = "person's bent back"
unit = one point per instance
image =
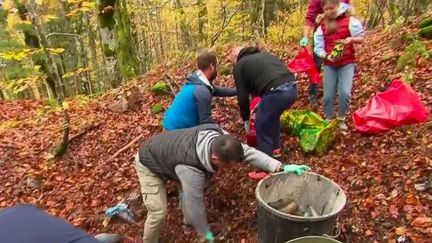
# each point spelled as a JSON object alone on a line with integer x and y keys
{"x": 28, "y": 224}
{"x": 192, "y": 106}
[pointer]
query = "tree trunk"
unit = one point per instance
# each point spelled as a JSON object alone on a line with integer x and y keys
{"x": 35, "y": 91}
{"x": 142, "y": 36}
{"x": 262, "y": 19}
{"x": 44, "y": 44}
{"x": 32, "y": 40}
{"x": 376, "y": 14}
{"x": 50, "y": 91}
{"x": 105, "y": 70}
{"x": 61, "y": 148}
{"x": 93, "y": 53}
{"x": 106, "y": 24}
{"x": 61, "y": 67}
{"x": 202, "y": 20}
{"x": 126, "y": 55}
{"x": 161, "y": 39}
{"x": 186, "y": 37}
{"x": 72, "y": 51}
{"x": 84, "y": 79}
{"x": 117, "y": 39}
{"x": 52, "y": 66}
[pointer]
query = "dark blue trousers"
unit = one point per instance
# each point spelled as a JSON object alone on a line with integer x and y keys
{"x": 270, "y": 109}
{"x": 313, "y": 88}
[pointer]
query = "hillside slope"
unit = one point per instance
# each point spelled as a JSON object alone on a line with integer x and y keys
{"x": 378, "y": 173}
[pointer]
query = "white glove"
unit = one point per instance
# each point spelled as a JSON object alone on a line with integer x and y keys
{"x": 246, "y": 125}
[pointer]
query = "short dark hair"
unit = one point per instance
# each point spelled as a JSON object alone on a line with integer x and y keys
{"x": 228, "y": 149}
{"x": 206, "y": 58}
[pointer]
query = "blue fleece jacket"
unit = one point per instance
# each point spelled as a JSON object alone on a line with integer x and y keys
{"x": 27, "y": 223}
{"x": 192, "y": 106}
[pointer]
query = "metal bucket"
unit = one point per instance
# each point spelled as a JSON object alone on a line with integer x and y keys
{"x": 309, "y": 189}
{"x": 313, "y": 239}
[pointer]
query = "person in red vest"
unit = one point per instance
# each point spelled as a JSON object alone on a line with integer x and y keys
{"x": 338, "y": 27}
{"x": 314, "y": 16}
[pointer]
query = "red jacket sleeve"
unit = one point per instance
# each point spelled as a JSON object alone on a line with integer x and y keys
{"x": 346, "y": 1}
{"x": 314, "y": 8}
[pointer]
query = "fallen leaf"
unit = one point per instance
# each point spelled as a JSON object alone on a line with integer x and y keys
{"x": 401, "y": 231}
{"x": 422, "y": 222}
{"x": 394, "y": 211}
{"x": 394, "y": 194}
{"x": 411, "y": 199}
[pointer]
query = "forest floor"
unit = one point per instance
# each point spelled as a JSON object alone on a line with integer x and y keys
{"x": 377, "y": 173}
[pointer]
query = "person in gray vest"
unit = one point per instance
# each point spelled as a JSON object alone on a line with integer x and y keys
{"x": 189, "y": 156}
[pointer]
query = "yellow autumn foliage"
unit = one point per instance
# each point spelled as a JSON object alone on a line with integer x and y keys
{"x": 12, "y": 21}
{"x": 287, "y": 27}
{"x": 361, "y": 7}
{"x": 8, "y": 4}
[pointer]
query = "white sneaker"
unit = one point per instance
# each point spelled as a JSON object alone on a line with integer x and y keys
{"x": 343, "y": 126}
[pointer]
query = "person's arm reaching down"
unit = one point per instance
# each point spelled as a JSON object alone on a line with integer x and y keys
{"x": 192, "y": 181}
{"x": 203, "y": 100}
{"x": 311, "y": 15}
{"x": 260, "y": 159}
{"x": 224, "y": 92}
{"x": 242, "y": 94}
{"x": 267, "y": 163}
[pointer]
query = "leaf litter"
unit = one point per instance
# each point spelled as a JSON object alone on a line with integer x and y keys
{"x": 378, "y": 173}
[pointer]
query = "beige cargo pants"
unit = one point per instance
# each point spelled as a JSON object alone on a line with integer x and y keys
{"x": 154, "y": 195}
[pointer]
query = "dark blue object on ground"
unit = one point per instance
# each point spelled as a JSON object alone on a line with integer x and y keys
{"x": 29, "y": 224}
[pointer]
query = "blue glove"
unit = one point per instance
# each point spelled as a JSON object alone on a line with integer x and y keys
{"x": 304, "y": 41}
{"x": 210, "y": 237}
{"x": 298, "y": 169}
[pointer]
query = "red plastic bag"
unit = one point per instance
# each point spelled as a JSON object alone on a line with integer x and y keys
{"x": 398, "y": 105}
{"x": 304, "y": 62}
{"x": 251, "y": 136}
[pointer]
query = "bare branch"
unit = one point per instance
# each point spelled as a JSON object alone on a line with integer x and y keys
{"x": 225, "y": 23}
{"x": 62, "y": 34}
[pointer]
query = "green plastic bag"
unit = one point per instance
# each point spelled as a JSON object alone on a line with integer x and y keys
{"x": 315, "y": 133}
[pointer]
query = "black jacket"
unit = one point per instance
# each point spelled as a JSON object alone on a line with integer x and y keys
{"x": 163, "y": 152}
{"x": 257, "y": 73}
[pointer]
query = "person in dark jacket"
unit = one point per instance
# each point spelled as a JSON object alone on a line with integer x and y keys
{"x": 189, "y": 156}
{"x": 29, "y": 224}
{"x": 263, "y": 74}
{"x": 314, "y": 17}
{"x": 192, "y": 106}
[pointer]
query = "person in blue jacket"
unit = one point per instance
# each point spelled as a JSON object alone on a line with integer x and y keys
{"x": 29, "y": 224}
{"x": 192, "y": 106}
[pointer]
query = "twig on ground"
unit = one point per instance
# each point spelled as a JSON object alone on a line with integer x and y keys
{"x": 84, "y": 131}
{"x": 125, "y": 147}
{"x": 240, "y": 131}
{"x": 424, "y": 127}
